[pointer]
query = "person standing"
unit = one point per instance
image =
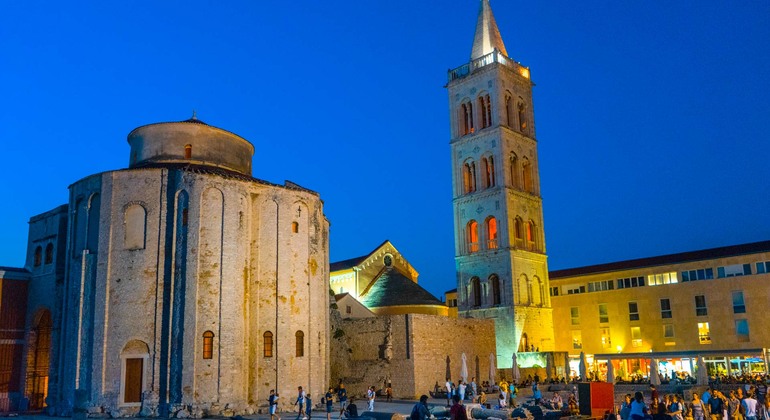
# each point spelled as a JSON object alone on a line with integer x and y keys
{"x": 329, "y": 400}
{"x": 448, "y": 392}
{"x": 300, "y": 401}
{"x": 474, "y": 387}
{"x": 697, "y": 407}
{"x": 734, "y": 407}
{"x": 461, "y": 389}
{"x": 420, "y": 410}
{"x": 389, "y": 393}
{"x": 750, "y": 407}
{"x": 342, "y": 396}
{"x": 272, "y": 401}
{"x": 308, "y": 406}
{"x": 715, "y": 406}
{"x": 370, "y": 394}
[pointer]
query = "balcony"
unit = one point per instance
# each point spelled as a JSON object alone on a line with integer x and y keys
{"x": 483, "y": 61}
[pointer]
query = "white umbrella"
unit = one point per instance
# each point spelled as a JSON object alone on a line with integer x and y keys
{"x": 548, "y": 366}
{"x": 702, "y": 375}
{"x": 515, "y": 374}
{"x": 582, "y": 367}
{"x": 610, "y": 372}
{"x": 654, "y": 377}
{"x": 491, "y": 368}
{"x": 464, "y": 369}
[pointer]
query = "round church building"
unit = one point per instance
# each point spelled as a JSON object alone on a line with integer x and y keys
{"x": 192, "y": 288}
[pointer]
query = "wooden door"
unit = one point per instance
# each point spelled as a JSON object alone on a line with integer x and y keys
{"x": 134, "y": 376}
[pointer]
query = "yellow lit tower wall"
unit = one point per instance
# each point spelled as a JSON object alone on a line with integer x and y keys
{"x": 501, "y": 264}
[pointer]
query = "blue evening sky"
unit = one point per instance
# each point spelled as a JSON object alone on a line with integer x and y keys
{"x": 651, "y": 116}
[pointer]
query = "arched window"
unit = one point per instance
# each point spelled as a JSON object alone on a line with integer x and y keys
{"x": 294, "y": 227}
{"x": 299, "y": 338}
{"x": 49, "y": 253}
{"x": 469, "y": 177}
{"x": 491, "y": 223}
{"x": 267, "y": 344}
{"x": 494, "y": 281}
{"x": 509, "y": 111}
{"x": 472, "y": 236}
{"x": 469, "y": 118}
{"x": 518, "y": 228}
{"x": 483, "y": 112}
{"x": 540, "y": 290}
{"x": 489, "y": 111}
{"x": 522, "y": 117}
{"x": 208, "y": 345}
{"x": 523, "y": 344}
{"x": 531, "y": 236}
{"x": 488, "y": 166}
{"x": 514, "y": 170}
{"x": 188, "y": 151}
{"x": 38, "y": 256}
{"x": 466, "y": 118}
{"x": 134, "y": 223}
{"x": 526, "y": 175}
{"x": 476, "y": 291}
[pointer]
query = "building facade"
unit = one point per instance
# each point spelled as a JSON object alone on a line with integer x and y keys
{"x": 670, "y": 308}
{"x": 182, "y": 285}
{"x": 501, "y": 264}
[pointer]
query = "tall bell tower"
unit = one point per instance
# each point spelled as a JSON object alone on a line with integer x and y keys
{"x": 502, "y": 270}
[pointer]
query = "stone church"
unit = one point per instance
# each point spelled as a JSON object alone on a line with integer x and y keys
{"x": 181, "y": 284}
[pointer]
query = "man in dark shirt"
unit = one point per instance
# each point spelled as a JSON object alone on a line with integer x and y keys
{"x": 352, "y": 410}
{"x": 714, "y": 406}
{"x": 457, "y": 412}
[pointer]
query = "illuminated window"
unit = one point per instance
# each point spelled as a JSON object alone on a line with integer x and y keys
{"x": 665, "y": 308}
{"x": 472, "y": 235}
{"x": 699, "y": 274}
{"x": 518, "y": 226}
{"x": 577, "y": 340}
{"x": 574, "y": 314}
{"x": 739, "y": 306}
{"x": 49, "y": 254}
{"x": 469, "y": 177}
{"x": 294, "y": 227}
{"x": 700, "y": 306}
{"x": 633, "y": 311}
{"x": 522, "y": 117}
{"x": 485, "y": 109}
{"x": 38, "y": 256}
{"x": 668, "y": 331}
{"x": 531, "y": 237}
{"x": 491, "y": 233}
{"x": 742, "y": 329}
{"x": 703, "y": 333}
{"x": 476, "y": 291}
{"x": 662, "y": 278}
{"x": 606, "y": 341}
{"x": 208, "y": 345}
{"x": 299, "y": 341}
{"x": 188, "y": 151}
{"x": 734, "y": 270}
{"x": 267, "y": 344}
{"x": 513, "y": 160}
{"x": 636, "y": 336}
{"x": 466, "y": 118}
{"x": 495, "y": 284}
{"x": 526, "y": 175}
{"x": 603, "y": 314}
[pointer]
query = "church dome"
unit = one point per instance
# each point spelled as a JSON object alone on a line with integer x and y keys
{"x": 190, "y": 141}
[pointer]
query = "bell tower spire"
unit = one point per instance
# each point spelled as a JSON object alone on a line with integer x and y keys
{"x": 487, "y": 37}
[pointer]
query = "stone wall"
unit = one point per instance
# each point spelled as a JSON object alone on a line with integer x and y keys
{"x": 409, "y": 351}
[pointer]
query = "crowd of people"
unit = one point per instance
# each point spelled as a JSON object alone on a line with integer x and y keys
{"x": 744, "y": 403}
{"x": 347, "y": 407}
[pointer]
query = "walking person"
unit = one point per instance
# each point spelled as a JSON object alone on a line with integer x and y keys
{"x": 342, "y": 396}
{"x": 308, "y": 405}
{"x": 420, "y": 410}
{"x": 329, "y": 400}
{"x": 300, "y": 401}
{"x": 697, "y": 407}
{"x": 715, "y": 406}
{"x": 272, "y": 401}
{"x": 370, "y": 394}
{"x": 750, "y": 407}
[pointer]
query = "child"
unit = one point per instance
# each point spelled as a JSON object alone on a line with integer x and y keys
{"x": 273, "y": 403}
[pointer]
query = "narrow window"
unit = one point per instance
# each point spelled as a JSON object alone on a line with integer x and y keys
{"x": 469, "y": 117}
{"x": 184, "y": 217}
{"x": 742, "y": 329}
{"x": 495, "y": 281}
{"x": 668, "y": 331}
{"x": 188, "y": 151}
{"x": 485, "y": 168}
{"x": 472, "y": 235}
{"x": 514, "y": 170}
{"x": 294, "y": 227}
{"x": 522, "y": 118}
{"x": 38, "y": 256}
{"x": 509, "y": 111}
{"x": 739, "y": 306}
{"x": 476, "y": 290}
{"x": 574, "y": 314}
{"x": 348, "y": 310}
{"x": 700, "y": 306}
{"x": 491, "y": 233}
{"x": 490, "y": 172}
{"x": 267, "y": 344}
{"x": 134, "y": 224}
{"x": 299, "y": 340}
{"x": 531, "y": 236}
{"x": 665, "y": 308}
{"x": 577, "y": 340}
{"x": 633, "y": 311}
{"x": 636, "y": 336}
{"x": 489, "y": 110}
{"x": 473, "y": 176}
{"x": 49, "y": 254}
{"x": 704, "y": 335}
{"x": 606, "y": 341}
{"x": 483, "y": 111}
{"x": 526, "y": 176}
{"x": 519, "y": 231}
{"x": 208, "y": 345}
{"x": 467, "y": 178}
{"x": 603, "y": 314}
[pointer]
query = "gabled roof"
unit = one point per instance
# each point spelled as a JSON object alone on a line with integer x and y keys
{"x": 391, "y": 288}
{"x": 682, "y": 257}
{"x": 352, "y": 262}
{"x": 487, "y": 37}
